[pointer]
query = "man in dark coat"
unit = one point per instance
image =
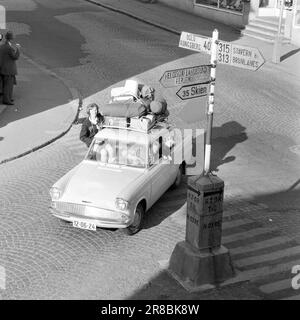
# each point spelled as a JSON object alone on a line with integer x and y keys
{"x": 9, "y": 53}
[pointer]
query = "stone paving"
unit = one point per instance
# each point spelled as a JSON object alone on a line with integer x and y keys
{"x": 46, "y": 258}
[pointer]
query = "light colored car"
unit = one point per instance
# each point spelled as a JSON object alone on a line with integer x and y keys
{"x": 123, "y": 174}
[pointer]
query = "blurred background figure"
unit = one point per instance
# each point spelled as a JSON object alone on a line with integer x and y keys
{"x": 9, "y": 53}
{"x": 147, "y": 96}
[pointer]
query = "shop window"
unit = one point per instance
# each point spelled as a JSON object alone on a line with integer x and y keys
{"x": 235, "y": 5}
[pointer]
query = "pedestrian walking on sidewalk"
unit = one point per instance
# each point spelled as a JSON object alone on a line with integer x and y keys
{"x": 9, "y": 53}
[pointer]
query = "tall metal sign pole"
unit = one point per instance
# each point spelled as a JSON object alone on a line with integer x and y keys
{"x": 201, "y": 258}
{"x": 211, "y": 100}
{"x": 278, "y": 38}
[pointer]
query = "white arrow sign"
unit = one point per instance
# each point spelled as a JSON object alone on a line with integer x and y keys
{"x": 173, "y": 78}
{"x": 193, "y": 91}
{"x": 228, "y": 53}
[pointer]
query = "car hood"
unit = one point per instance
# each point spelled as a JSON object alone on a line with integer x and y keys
{"x": 99, "y": 186}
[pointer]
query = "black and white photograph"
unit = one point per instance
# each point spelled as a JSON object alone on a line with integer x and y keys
{"x": 149, "y": 154}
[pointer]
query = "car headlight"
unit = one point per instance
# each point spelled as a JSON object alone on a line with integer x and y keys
{"x": 121, "y": 204}
{"x": 55, "y": 193}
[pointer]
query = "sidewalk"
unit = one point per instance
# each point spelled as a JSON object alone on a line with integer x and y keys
{"x": 44, "y": 108}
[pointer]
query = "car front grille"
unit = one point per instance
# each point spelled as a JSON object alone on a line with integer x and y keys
{"x": 71, "y": 208}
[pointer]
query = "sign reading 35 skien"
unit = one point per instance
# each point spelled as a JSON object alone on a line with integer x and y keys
{"x": 193, "y": 91}
{"x": 228, "y": 53}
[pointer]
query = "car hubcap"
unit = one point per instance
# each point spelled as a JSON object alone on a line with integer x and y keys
{"x": 137, "y": 220}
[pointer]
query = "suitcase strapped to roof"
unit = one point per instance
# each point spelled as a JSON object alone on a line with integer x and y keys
{"x": 127, "y": 109}
{"x": 143, "y": 123}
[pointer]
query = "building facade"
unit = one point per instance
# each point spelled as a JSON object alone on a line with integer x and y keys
{"x": 239, "y": 13}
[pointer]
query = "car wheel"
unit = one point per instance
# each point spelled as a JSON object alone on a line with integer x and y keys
{"x": 178, "y": 179}
{"x": 137, "y": 222}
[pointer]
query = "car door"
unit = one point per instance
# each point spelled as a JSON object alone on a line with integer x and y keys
{"x": 170, "y": 162}
{"x": 157, "y": 176}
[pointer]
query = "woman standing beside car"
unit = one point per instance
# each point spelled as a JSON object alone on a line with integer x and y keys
{"x": 92, "y": 124}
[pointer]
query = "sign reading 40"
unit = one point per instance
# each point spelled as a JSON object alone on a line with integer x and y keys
{"x": 227, "y": 53}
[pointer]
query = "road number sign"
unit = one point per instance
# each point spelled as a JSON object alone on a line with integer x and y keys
{"x": 227, "y": 53}
{"x": 173, "y": 78}
{"x": 193, "y": 91}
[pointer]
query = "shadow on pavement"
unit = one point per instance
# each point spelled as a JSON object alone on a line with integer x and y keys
{"x": 38, "y": 91}
{"x": 225, "y": 138}
{"x": 282, "y": 206}
{"x": 35, "y": 94}
{"x": 282, "y": 201}
{"x": 164, "y": 287}
{"x": 170, "y": 202}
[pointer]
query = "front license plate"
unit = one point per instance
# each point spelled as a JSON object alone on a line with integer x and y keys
{"x": 84, "y": 225}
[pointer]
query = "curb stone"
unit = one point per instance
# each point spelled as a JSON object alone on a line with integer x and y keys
{"x": 74, "y": 96}
{"x": 131, "y": 15}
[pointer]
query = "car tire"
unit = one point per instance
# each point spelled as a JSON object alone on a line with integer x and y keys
{"x": 178, "y": 179}
{"x": 136, "y": 226}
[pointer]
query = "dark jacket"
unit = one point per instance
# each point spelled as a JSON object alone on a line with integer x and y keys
{"x": 8, "y": 57}
{"x": 89, "y": 130}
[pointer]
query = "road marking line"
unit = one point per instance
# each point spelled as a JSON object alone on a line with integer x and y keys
{"x": 260, "y": 245}
{"x": 268, "y": 257}
{"x": 243, "y": 235}
{"x": 236, "y": 223}
{"x": 276, "y": 286}
{"x": 256, "y": 273}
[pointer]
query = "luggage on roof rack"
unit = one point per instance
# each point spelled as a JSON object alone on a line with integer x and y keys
{"x": 143, "y": 123}
{"x": 127, "y": 109}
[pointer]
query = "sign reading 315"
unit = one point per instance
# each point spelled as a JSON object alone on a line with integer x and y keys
{"x": 223, "y": 52}
{"x": 227, "y": 53}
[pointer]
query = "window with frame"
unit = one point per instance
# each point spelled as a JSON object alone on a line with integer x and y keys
{"x": 235, "y": 5}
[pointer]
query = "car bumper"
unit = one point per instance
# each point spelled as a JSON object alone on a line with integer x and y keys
{"x": 102, "y": 218}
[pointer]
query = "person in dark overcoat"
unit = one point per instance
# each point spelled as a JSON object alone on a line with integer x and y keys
{"x": 92, "y": 124}
{"x": 9, "y": 53}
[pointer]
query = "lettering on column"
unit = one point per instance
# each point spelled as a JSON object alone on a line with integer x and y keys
{"x": 213, "y": 202}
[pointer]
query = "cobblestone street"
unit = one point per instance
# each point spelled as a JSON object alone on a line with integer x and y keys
{"x": 255, "y": 150}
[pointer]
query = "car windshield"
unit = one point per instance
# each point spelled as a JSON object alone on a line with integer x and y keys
{"x": 119, "y": 147}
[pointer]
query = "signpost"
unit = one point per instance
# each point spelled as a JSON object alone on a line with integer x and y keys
{"x": 278, "y": 37}
{"x": 193, "y": 91}
{"x": 227, "y": 53}
{"x": 173, "y": 78}
{"x": 201, "y": 259}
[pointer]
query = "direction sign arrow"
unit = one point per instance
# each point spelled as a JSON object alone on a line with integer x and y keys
{"x": 227, "y": 53}
{"x": 193, "y": 91}
{"x": 173, "y": 78}
{"x": 194, "y": 42}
